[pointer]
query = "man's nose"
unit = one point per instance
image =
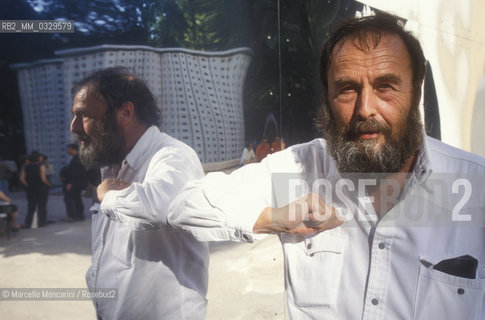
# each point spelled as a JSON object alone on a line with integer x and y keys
{"x": 366, "y": 103}
{"x": 76, "y": 125}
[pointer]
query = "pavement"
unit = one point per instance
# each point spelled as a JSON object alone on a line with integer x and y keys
{"x": 245, "y": 280}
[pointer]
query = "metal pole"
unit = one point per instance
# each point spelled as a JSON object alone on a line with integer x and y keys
{"x": 280, "y": 73}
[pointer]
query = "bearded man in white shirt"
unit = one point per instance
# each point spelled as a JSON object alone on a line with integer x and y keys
{"x": 409, "y": 242}
{"x": 155, "y": 273}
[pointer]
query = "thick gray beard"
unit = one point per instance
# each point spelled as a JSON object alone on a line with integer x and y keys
{"x": 363, "y": 157}
{"x": 105, "y": 149}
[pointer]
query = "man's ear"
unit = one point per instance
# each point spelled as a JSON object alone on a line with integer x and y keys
{"x": 125, "y": 114}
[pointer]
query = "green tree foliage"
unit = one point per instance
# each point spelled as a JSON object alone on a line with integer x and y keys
{"x": 199, "y": 24}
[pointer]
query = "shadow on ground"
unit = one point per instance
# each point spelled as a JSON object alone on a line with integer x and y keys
{"x": 51, "y": 240}
{"x": 56, "y": 238}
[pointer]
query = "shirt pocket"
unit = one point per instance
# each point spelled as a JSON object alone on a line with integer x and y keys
{"x": 314, "y": 268}
{"x": 443, "y": 296}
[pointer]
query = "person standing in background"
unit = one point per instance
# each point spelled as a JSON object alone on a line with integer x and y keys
{"x": 262, "y": 150}
{"x": 49, "y": 172}
{"x": 76, "y": 181}
{"x": 94, "y": 179}
{"x": 49, "y": 169}
{"x": 34, "y": 178}
{"x": 63, "y": 174}
{"x": 277, "y": 145}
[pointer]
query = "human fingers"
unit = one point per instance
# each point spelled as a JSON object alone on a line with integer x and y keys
{"x": 321, "y": 222}
{"x": 118, "y": 184}
{"x": 108, "y": 185}
{"x": 321, "y": 215}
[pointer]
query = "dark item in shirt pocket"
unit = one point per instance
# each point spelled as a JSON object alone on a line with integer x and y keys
{"x": 464, "y": 266}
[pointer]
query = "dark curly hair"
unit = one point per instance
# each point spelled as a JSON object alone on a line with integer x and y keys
{"x": 117, "y": 85}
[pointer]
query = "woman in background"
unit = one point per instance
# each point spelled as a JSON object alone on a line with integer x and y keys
{"x": 33, "y": 177}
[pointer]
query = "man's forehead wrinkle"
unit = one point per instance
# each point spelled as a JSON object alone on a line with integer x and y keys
{"x": 79, "y": 102}
{"x": 377, "y": 71}
{"x": 377, "y": 54}
{"x": 88, "y": 101}
{"x": 81, "y": 94}
{"x": 379, "y": 60}
{"x": 81, "y": 97}
{"x": 367, "y": 42}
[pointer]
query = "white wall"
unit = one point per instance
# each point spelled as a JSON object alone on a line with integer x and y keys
{"x": 478, "y": 123}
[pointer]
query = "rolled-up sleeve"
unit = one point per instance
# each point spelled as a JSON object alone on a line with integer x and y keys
{"x": 223, "y": 207}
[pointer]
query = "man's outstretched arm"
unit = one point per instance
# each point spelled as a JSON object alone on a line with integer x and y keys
{"x": 307, "y": 215}
{"x": 238, "y": 207}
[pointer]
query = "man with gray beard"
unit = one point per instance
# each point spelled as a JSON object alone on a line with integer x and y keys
{"x": 154, "y": 273}
{"x": 371, "y": 219}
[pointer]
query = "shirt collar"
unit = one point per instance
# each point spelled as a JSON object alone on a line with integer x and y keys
{"x": 136, "y": 157}
{"x": 422, "y": 168}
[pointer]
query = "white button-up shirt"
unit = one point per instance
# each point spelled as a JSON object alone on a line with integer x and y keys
{"x": 368, "y": 268}
{"x": 158, "y": 273}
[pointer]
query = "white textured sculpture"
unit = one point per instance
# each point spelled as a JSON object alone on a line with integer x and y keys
{"x": 199, "y": 95}
{"x": 46, "y": 118}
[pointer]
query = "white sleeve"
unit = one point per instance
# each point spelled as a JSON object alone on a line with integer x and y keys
{"x": 144, "y": 206}
{"x": 223, "y": 207}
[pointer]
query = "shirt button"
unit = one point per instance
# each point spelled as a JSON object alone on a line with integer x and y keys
{"x": 460, "y": 291}
{"x": 375, "y": 301}
{"x": 382, "y": 245}
{"x": 236, "y": 234}
{"x": 309, "y": 246}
